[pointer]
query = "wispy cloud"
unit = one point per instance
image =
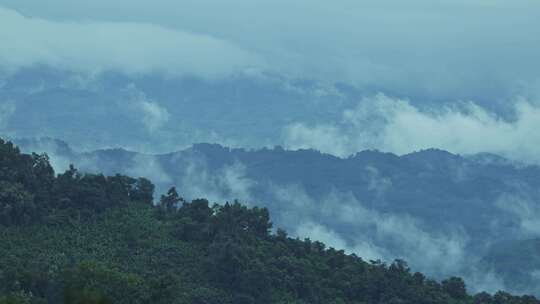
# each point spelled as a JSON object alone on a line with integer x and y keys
{"x": 226, "y": 184}
{"x": 526, "y": 211}
{"x": 152, "y": 115}
{"x": 148, "y": 166}
{"x": 368, "y": 232}
{"x": 395, "y": 125}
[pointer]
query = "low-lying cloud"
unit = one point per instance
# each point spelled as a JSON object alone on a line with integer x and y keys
{"x": 148, "y": 166}
{"x": 337, "y": 219}
{"x": 152, "y": 115}
{"x": 134, "y": 48}
{"x": 227, "y": 184}
{"x": 525, "y": 210}
{"x": 445, "y": 50}
{"x": 368, "y": 232}
{"x": 343, "y": 222}
{"x": 395, "y": 125}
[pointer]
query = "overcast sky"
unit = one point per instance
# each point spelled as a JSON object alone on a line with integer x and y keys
{"x": 474, "y": 47}
{"x": 480, "y": 52}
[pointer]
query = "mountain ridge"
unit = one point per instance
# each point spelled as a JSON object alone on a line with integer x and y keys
{"x": 89, "y": 238}
{"x": 432, "y": 195}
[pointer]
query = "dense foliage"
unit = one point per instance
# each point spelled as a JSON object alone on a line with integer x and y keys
{"x": 85, "y": 238}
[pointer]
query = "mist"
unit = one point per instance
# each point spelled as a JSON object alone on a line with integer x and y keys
{"x": 438, "y": 50}
{"x": 395, "y": 125}
{"x": 368, "y": 223}
{"x": 386, "y": 129}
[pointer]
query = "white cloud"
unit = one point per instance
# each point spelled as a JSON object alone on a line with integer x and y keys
{"x": 425, "y": 250}
{"x": 395, "y": 125}
{"x": 59, "y": 161}
{"x": 318, "y": 232}
{"x": 134, "y": 48}
{"x": 525, "y": 210}
{"x": 226, "y": 184}
{"x": 152, "y": 115}
{"x": 369, "y": 233}
{"x": 148, "y": 166}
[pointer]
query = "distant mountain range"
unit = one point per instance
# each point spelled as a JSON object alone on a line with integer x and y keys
{"x": 157, "y": 110}
{"x": 440, "y": 211}
{"x": 166, "y": 112}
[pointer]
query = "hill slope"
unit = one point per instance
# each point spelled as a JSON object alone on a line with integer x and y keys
{"x": 441, "y": 212}
{"x": 84, "y": 238}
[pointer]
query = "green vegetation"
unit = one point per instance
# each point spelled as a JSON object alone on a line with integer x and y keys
{"x": 85, "y": 238}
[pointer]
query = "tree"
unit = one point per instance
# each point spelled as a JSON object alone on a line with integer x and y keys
{"x": 455, "y": 287}
{"x": 170, "y": 201}
{"x": 119, "y": 188}
{"x": 93, "y": 283}
{"x": 17, "y": 298}
{"x": 16, "y": 204}
{"x": 85, "y": 296}
{"x": 482, "y": 298}
{"x": 143, "y": 191}
{"x": 43, "y": 178}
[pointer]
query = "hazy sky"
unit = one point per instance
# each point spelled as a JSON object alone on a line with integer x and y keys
{"x": 441, "y": 47}
{"x": 475, "y": 63}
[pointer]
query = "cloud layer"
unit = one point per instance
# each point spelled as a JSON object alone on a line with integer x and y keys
{"x": 392, "y": 124}
{"x": 461, "y": 49}
{"x": 134, "y": 48}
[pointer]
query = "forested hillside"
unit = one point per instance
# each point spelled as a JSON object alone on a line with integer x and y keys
{"x": 444, "y": 213}
{"x": 87, "y": 238}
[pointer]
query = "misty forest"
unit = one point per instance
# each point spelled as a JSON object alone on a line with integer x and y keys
{"x": 279, "y": 152}
{"x": 91, "y": 238}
